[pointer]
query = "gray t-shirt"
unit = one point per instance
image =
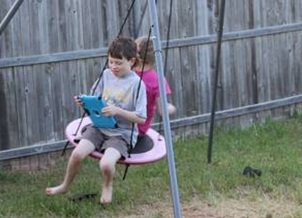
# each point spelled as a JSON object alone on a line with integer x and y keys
{"x": 128, "y": 93}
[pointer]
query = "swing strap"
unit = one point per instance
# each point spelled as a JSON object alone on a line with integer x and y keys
{"x": 137, "y": 94}
{"x": 126, "y": 171}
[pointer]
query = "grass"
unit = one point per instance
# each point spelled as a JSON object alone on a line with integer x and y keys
{"x": 274, "y": 147}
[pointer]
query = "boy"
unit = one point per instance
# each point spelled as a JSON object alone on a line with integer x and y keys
{"x": 125, "y": 97}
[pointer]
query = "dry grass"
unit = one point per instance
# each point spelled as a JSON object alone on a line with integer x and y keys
{"x": 224, "y": 208}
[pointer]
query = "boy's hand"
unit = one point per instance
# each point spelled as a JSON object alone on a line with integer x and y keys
{"x": 110, "y": 110}
{"x": 78, "y": 100}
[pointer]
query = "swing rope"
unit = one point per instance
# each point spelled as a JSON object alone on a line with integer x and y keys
{"x": 137, "y": 94}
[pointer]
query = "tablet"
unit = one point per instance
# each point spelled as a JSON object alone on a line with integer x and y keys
{"x": 93, "y": 106}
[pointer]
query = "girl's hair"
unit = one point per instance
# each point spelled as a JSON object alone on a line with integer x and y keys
{"x": 123, "y": 47}
{"x": 145, "y": 50}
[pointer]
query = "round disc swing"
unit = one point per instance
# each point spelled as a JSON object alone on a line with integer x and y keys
{"x": 151, "y": 149}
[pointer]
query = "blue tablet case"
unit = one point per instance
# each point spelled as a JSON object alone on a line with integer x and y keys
{"x": 93, "y": 106}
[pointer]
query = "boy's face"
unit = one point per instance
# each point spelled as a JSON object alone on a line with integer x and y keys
{"x": 120, "y": 67}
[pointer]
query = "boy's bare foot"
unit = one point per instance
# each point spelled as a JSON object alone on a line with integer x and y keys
{"x": 55, "y": 190}
{"x": 106, "y": 195}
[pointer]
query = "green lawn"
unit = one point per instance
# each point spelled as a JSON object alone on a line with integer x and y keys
{"x": 215, "y": 190}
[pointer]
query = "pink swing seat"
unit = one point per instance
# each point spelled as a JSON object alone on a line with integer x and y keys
{"x": 156, "y": 153}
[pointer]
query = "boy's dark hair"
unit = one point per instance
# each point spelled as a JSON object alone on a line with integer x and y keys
{"x": 122, "y": 47}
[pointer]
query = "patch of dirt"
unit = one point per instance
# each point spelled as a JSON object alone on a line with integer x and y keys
{"x": 226, "y": 208}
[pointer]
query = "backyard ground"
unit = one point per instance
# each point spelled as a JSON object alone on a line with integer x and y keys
{"x": 225, "y": 208}
{"x": 216, "y": 190}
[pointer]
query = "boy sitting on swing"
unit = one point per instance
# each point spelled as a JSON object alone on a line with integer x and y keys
{"x": 125, "y": 96}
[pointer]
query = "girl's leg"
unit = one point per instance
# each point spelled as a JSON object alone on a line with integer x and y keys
{"x": 84, "y": 148}
{"x": 107, "y": 166}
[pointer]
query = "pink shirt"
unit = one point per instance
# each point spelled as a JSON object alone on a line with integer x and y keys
{"x": 150, "y": 79}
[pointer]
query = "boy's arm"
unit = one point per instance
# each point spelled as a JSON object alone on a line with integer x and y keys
{"x": 112, "y": 110}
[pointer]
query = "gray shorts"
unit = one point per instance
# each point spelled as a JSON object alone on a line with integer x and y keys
{"x": 102, "y": 141}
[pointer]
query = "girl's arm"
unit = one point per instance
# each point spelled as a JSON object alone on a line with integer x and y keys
{"x": 171, "y": 107}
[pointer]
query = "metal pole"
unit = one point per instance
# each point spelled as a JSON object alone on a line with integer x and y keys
{"x": 220, "y": 31}
{"x": 10, "y": 15}
{"x": 136, "y": 17}
{"x": 163, "y": 98}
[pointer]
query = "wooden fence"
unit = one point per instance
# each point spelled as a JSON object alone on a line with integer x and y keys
{"x": 53, "y": 50}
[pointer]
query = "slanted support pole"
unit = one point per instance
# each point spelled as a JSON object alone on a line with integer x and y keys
{"x": 163, "y": 98}
{"x": 10, "y": 14}
{"x": 218, "y": 51}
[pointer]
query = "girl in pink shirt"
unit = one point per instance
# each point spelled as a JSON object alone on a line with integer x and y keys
{"x": 150, "y": 78}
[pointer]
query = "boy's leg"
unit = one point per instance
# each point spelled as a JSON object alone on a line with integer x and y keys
{"x": 83, "y": 149}
{"x": 107, "y": 166}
